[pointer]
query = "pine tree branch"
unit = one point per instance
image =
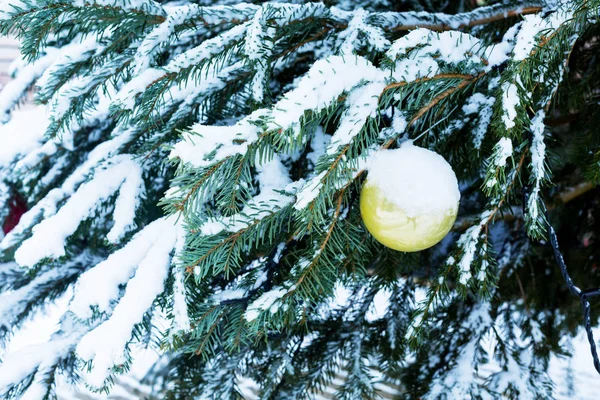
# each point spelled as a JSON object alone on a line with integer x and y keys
{"x": 181, "y": 204}
{"x": 396, "y": 85}
{"x": 472, "y": 22}
{"x": 507, "y": 192}
{"x": 307, "y": 270}
{"x": 443, "y": 95}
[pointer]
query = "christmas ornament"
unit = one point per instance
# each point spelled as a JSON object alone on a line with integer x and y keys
{"x": 410, "y": 199}
{"x": 17, "y": 206}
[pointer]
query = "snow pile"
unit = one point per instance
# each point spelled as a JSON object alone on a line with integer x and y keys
{"x": 415, "y": 179}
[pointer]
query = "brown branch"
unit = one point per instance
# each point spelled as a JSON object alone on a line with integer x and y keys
{"x": 575, "y": 191}
{"x": 476, "y": 22}
{"x": 203, "y": 343}
{"x": 443, "y": 95}
{"x": 395, "y": 85}
{"x": 181, "y": 205}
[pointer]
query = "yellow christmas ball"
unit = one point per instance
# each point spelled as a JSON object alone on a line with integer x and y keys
{"x": 410, "y": 199}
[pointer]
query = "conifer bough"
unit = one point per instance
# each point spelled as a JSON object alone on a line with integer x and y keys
{"x": 192, "y": 170}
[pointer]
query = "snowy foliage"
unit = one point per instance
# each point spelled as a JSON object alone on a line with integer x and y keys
{"x": 198, "y": 163}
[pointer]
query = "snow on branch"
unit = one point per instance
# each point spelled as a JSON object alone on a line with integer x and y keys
{"x": 196, "y": 57}
{"x": 205, "y": 145}
{"x": 535, "y": 209}
{"x": 535, "y": 25}
{"x": 105, "y": 345}
{"x": 22, "y": 135}
{"x": 275, "y": 192}
{"x": 99, "y": 286}
{"x": 14, "y": 304}
{"x": 14, "y": 90}
{"x": 81, "y": 49}
{"x": 147, "y": 6}
{"x": 460, "y": 380}
{"x": 362, "y": 103}
{"x": 258, "y": 47}
{"x": 160, "y": 36}
{"x": 403, "y": 21}
{"x": 47, "y": 206}
{"x": 8, "y": 8}
{"x": 181, "y": 319}
{"x": 359, "y": 32}
{"x": 49, "y": 236}
{"x": 18, "y": 366}
{"x": 337, "y": 73}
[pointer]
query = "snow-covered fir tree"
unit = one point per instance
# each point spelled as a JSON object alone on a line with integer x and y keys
{"x": 191, "y": 180}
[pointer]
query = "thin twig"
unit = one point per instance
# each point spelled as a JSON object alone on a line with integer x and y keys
{"x": 583, "y": 295}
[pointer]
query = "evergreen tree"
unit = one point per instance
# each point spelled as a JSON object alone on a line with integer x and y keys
{"x": 196, "y": 187}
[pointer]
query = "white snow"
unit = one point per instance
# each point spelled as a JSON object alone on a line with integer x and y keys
{"x": 273, "y": 179}
{"x": 309, "y": 191}
{"x": 49, "y": 236}
{"x": 418, "y": 53}
{"x": 207, "y": 49}
{"x": 9, "y": 7}
{"x": 258, "y": 47}
{"x": 538, "y": 148}
{"x": 127, "y": 202}
{"x": 349, "y": 38}
{"x": 17, "y": 365}
{"x": 480, "y": 105}
{"x": 499, "y": 53}
{"x": 23, "y": 133}
{"x": 99, "y": 286}
{"x": 218, "y": 142}
{"x": 14, "y": 90}
{"x": 417, "y": 180}
{"x": 510, "y": 100}
{"x": 268, "y": 301}
{"x": 148, "y": 6}
{"x": 318, "y": 144}
{"x": 181, "y": 319}
{"x": 362, "y": 104}
{"x": 48, "y": 205}
{"x": 105, "y": 345}
{"x": 335, "y": 73}
{"x": 468, "y": 242}
{"x": 80, "y": 49}
{"x": 533, "y": 25}
{"x": 161, "y": 35}
{"x": 379, "y": 307}
{"x": 503, "y": 151}
{"x": 15, "y": 302}
{"x": 538, "y": 155}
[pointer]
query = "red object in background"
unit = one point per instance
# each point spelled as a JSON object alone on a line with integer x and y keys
{"x": 17, "y": 206}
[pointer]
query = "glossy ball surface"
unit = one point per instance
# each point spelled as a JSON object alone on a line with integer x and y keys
{"x": 392, "y": 227}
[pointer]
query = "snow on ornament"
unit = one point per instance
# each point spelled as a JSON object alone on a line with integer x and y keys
{"x": 410, "y": 199}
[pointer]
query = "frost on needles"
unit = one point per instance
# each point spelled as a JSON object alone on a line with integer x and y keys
{"x": 191, "y": 172}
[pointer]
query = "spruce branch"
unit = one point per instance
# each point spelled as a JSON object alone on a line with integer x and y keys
{"x": 493, "y": 14}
